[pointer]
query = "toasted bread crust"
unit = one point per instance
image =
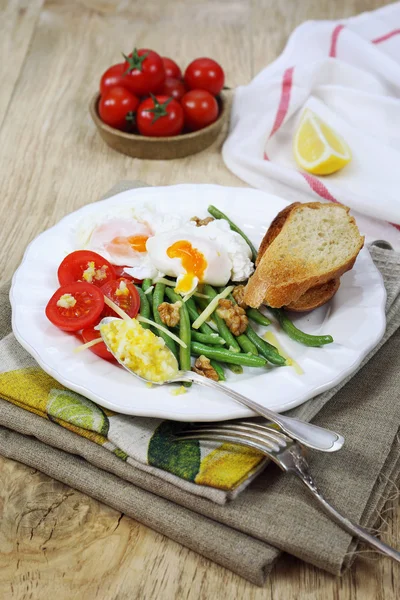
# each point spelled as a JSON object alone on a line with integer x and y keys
{"x": 315, "y": 297}
{"x": 267, "y": 284}
{"x": 274, "y": 229}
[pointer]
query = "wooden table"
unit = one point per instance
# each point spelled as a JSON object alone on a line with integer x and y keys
{"x": 56, "y": 542}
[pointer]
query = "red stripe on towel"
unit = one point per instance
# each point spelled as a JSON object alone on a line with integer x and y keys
{"x": 318, "y": 187}
{"x": 334, "y": 40}
{"x": 287, "y": 82}
{"x": 389, "y": 35}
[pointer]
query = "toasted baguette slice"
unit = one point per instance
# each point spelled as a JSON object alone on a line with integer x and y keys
{"x": 317, "y": 242}
{"x": 314, "y": 297}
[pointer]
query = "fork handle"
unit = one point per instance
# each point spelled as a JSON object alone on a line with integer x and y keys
{"x": 355, "y": 530}
{"x": 309, "y": 435}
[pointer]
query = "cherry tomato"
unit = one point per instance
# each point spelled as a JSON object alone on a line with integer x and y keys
{"x": 113, "y": 77}
{"x": 75, "y": 306}
{"x": 205, "y": 74}
{"x": 124, "y": 294}
{"x": 145, "y": 72}
{"x": 174, "y": 88}
{"x": 160, "y": 116}
{"x": 99, "y": 349}
{"x": 117, "y": 108}
{"x": 200, "y": 109}
{"x": 119, "y": 271}
{"x": 171, "y": 68}
{"x": 85, "y": 265}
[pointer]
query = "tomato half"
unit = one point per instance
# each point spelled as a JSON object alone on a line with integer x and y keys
{"x": 113, "y": 77}
{"x": 85, "y": 265}
{"x": 205, "y": 74}
{"x": 171, "y": 68}
{"x": 200, "y": 109}
{"x": 75, "y": 306}
{"x": 124, "y": 294}
{"x": 117, "y": 108}
{"x": 99, "y": 349}
{"x": 145, "y": 72}
{"x": 160, "y": 116}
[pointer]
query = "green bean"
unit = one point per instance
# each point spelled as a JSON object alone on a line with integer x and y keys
{"x": 222, "y": 355}
{"x": 213, "y": 339}
{"x": 265, "y": 349}
{"x": 184, "y": 330}
{"x": 147, "y": 283}
{"x": 158, "y": 298}
{"x": 222, "y": 327}
{"x": 297, "y": 335}
{"x": 255, "y": 315}
{"x": 144, "y": 306}
{"x": 193, "y": 314}
{"x": 218, "y": 368}
{"x": 173, "y": 296}
{"x": 246, "y": 344}
{"x": 217, "y": 214}
{"x": 237, "y": 369}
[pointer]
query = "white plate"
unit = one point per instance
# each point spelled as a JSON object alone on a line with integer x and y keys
{"x": 355, "y": 318}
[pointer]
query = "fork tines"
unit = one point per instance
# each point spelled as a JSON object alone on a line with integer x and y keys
{"x": 261, "y": 437}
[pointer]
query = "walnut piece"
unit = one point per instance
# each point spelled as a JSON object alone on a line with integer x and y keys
{"x": 202, "y": 366}
{"x": 199, "y": 222}
{"x": 233, "y": 315}
{"x": 169, "y": 313}
{"x": 238, "y": 294}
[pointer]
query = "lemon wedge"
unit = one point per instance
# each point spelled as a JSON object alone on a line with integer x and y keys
{"x": 318, "y": 149}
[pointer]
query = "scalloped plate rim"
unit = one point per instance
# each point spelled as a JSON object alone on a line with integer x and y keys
{"x": 229, "y": 410}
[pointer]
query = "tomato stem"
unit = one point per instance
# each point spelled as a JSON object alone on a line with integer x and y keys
{"x": 159, "y": 110}
{"x": 134, "y": 61}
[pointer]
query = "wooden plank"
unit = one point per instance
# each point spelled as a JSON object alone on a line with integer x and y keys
{"x": 17, "y": 23}
{"x": 57, "y": 539}
{"x": 59, "y": 163}
{"x": 272, "y": 22}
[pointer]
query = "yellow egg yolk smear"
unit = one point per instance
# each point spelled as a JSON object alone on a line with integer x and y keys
{"x": 136, "y": 242}
{"x": 192, "y": 261}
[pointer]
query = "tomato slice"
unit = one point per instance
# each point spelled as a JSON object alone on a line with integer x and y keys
{"x": 124, "y": 294}
{"x": 99, "y": 349}
{"x": 85, "y": 265}
{"x": 75, "y": 306}
{"x": 119, "y": 271}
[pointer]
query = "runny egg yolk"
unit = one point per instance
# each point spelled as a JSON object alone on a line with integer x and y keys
{"x": 136, "y": 242}
{"x": 192, "y": 261}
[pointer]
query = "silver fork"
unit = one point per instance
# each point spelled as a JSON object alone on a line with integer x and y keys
{"x": 289, "y": 455}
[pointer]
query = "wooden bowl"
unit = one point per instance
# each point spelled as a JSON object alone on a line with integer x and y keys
{"x": 159, "y": 148}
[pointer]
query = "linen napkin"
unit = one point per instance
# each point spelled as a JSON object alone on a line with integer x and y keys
{"x": 272, "y": 513}
{"x": 348, "y": 73}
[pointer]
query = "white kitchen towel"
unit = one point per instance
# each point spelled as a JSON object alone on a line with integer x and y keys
{"x": 348, "y": 72}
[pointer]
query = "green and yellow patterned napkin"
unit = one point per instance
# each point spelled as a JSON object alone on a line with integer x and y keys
{"x": 217, "y": 472}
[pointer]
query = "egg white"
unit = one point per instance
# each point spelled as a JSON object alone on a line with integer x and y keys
{"x": 225, "y": 251}
{"x": 218, "y": 269}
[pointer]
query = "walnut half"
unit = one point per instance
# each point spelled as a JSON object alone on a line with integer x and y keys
{"x": 233, "y": 315}
{"x": 200, "y": 222}
{"x": 238, "y": 294}
{"x": 203, "y": 366}
{"x": 169, "y": 313}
